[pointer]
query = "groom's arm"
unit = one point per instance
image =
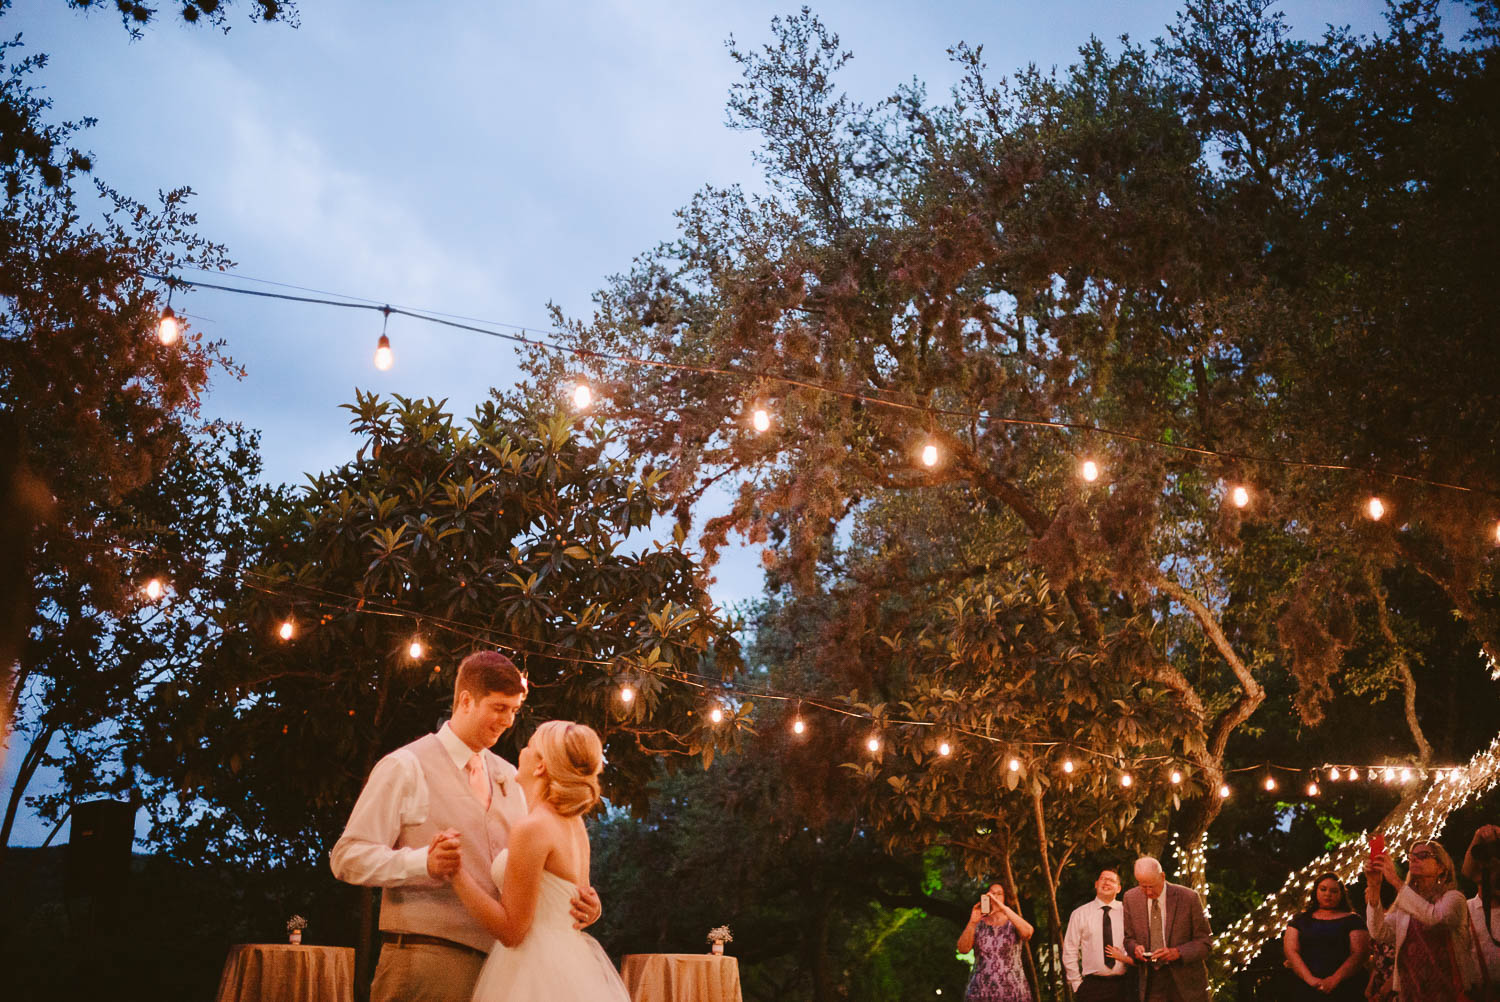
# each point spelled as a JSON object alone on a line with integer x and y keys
{"x": 366, "y": 853}
{"x": 585, "y": 906}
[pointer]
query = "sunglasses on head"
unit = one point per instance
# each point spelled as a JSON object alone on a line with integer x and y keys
{"x": 1423, "y": 854}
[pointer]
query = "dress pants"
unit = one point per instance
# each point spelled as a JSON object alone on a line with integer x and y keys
{"x": 1099, "y": 988}
{"x": 425, "y": 974}
{"x": 1160, "y": 987}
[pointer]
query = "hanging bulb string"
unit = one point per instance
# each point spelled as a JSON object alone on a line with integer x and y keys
{"x": 787, "y": 380}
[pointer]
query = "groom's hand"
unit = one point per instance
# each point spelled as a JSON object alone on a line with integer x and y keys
{"x": 586, "y": 907}
{"x": 443, "y": 857}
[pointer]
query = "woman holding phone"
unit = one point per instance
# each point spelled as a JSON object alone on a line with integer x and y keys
{"x": 1428, "y": 924}
{"x": 995, "y": 933}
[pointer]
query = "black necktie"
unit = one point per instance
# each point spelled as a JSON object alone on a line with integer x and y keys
{"x": 1109, "y": 938}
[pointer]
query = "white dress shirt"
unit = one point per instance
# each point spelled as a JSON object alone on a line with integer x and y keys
{"x": 396, "y": 795}
{"x": 1489, "y": 952}
{"x": 1083, "y": 945}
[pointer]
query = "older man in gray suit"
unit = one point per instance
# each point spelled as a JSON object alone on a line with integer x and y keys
{"x": 1168, "y": 934}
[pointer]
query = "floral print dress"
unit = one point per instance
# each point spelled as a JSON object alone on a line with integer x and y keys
{"x": 998, "y": 974}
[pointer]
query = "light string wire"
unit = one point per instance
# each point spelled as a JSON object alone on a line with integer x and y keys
{"x": 747, "y": 376}
{"x": 331, "y": 600}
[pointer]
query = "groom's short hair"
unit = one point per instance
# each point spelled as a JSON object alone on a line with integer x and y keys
{"x": 484, "y": 672}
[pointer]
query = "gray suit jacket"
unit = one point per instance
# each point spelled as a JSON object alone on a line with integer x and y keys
{"x": 1186, "y": 928}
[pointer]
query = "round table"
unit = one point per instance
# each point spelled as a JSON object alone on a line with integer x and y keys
{"x": 681, "y": 977}
{"x": 280, "y": 972}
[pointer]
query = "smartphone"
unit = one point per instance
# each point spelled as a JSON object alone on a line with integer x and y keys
{"x": 984, "y": 904}
{"x": 1377, "y": 845}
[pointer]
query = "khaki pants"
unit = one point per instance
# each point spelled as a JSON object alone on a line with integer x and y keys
{"x": 423, "y": 973}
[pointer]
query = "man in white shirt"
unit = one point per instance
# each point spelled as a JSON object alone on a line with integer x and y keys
{"x": 1094, "y": 957}
{"x": 437, "y": 804}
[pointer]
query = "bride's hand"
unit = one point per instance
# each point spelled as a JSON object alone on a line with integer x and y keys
{"x": 586, "y": 907}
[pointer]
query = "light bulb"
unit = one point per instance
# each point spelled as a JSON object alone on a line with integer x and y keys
{"x": 1353, "y": 774}
{"x": 1312, "y": 789}
{"x": 383, "y": 355}
{"x": 627, "y": 694}
{"x": 1240, "y": 496}
{"x": 1126, "y": 779}
{"x": 1406, "y": 775}
{"x": 1390, "y": 774}
{"x": 154, "y": 589}
{"x": 716, "y": 715}
{"x": 1333, "y": 774}
{"x": 1068, "y": 766}
{"x": 1089, "y": 471}
{"x": 1176, "y": 777}
{"x": 1224, "y": 791}
{"x": 873, "y": 744}
{"x": 945, "y": 749}
{"x": 415, "y": 650}
{"x": 288, "y": 628}
{"x": 1375, "y": 509}
{"x": 1497, "y": 532}
{"x": 760, "y": 420}
{"x": 169, "y": 330}
{"x": 583, "y": 396}
{"x": 929, "y": 455}
{"x": 1015, "y": 765}
{"x": 1270, "y": 784}
{"x": 798, "y": 726}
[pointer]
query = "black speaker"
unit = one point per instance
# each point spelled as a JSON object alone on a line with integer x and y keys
{"x": 99, "y": 849}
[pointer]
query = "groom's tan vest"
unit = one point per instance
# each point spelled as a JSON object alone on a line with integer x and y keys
{"x": 433, "y": 909}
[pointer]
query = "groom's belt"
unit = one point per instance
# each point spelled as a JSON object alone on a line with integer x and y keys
{"x": 400, "y": 939}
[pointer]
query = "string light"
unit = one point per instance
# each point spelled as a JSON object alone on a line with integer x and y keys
{"x": 1406, "y": 775}
{"x": 929, "y": 454}
{"x": 1126, "y": 780}
{"x": 1176, "y": 777}
{"x": 798, "y": 726}
{"x": 1390, "y": 774}
{"x": 1312, "y": 788}
{"x": 154, "y": 589}
{"x": 760, "y": 420}
{"x": 627, "y": 694}
{"x": 716, "y": 715}
{"x": 1375, "y": 509}
{"x": 384, "y": 357}
{"x": 1223, "y": 791}
{"x": 1333, "y": 774}
{"x": 945, "y": 749}
{"x": 1497, "y": 532}
{"x": 1068, "y": 766}
{"x": 1240, "y": 496}
{"x": 415, "y": 649}
{"x": 1089, "y": 471}
{"x": 1353, "y": 774}
{"x": 288, "y": 629}
{"x": 873, "y": 743}
{"x": 583, "y": 396}
{"x": 1015, "y": 765}
{"x": 1270, "y": 784}
{"x": 168, "y": 330}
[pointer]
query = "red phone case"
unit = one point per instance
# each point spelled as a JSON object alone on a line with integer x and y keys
{"x": 1377, "y": 844}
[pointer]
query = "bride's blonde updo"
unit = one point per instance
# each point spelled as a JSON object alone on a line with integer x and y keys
{"x": 574, "y": 756}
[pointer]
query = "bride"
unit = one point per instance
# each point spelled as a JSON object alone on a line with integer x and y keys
{"x": 540, "y": 956}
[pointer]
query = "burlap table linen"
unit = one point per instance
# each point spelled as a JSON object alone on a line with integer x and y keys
{"x": 681, "y": 977}
{"x": 265, "y": 972}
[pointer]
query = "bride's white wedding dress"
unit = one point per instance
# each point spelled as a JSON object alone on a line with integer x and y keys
{"x": 555, "y": 962}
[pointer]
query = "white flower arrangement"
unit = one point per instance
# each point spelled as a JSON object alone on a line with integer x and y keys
{"x": 296, "y": 923}
{"x": 720, "y": 934}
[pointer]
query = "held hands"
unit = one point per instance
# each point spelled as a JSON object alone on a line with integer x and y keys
{"x": 585, "y": 907}
{"x": 443, "y": 857}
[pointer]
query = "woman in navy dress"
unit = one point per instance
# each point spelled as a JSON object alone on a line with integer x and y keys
{"x": 1326, "y": 946}
{"x": 996, "y": 934}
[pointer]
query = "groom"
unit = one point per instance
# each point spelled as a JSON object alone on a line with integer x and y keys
{"x": 441, "y": 803}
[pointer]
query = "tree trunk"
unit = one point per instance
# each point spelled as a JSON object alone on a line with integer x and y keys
{"x": 1056, "y": 918}
{"x": 1015, "y": 902}
{"x": 29, "y": 765}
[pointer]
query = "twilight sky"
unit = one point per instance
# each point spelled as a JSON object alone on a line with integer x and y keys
{"x": 467, "y": 157}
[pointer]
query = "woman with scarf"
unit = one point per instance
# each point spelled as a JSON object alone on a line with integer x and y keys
{"x": 1428, "y": 923}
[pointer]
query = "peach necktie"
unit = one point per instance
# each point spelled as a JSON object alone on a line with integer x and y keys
{"x": 479, "y": 782}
